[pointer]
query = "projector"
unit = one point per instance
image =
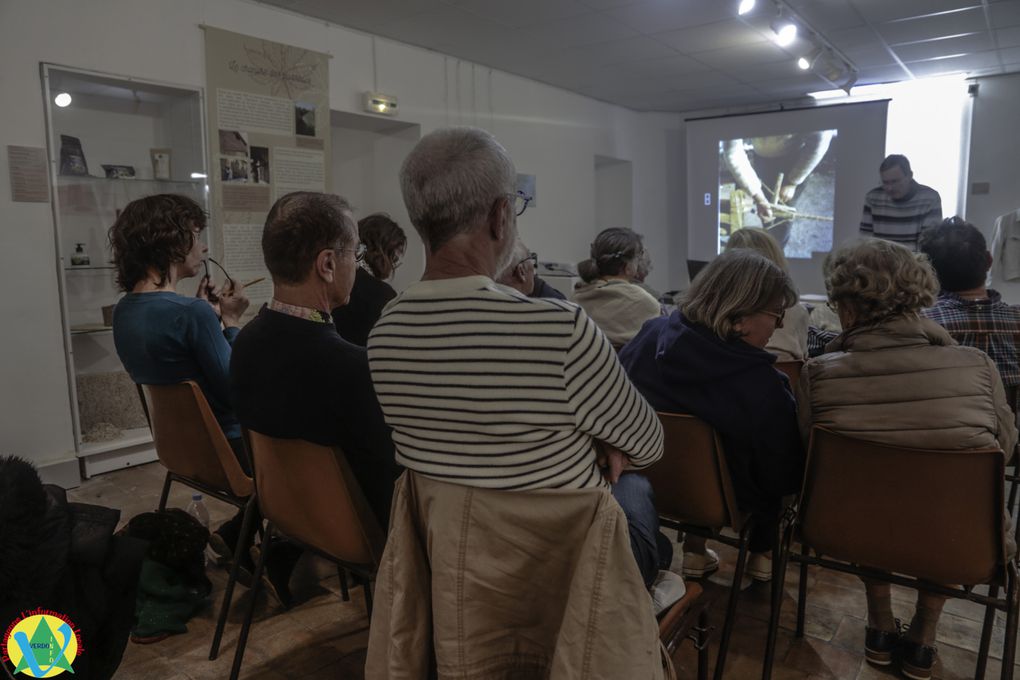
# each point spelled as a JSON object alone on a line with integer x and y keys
{"x": 376, "y": 102}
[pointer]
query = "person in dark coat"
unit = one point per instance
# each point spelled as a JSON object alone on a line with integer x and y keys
{"x": 385, "y": 243}
{"x": 63, "y": 557}
{"x": 708, "y": 359}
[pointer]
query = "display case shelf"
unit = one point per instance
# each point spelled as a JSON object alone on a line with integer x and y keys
{"x": 130, "y": 123}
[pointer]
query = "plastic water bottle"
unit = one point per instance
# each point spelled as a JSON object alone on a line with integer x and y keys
{"x": 197, "y": 509}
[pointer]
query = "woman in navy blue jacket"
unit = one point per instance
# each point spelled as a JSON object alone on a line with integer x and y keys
{"x": 708, "y": 359}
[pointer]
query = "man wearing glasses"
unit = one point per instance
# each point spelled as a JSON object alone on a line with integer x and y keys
{"x": 521, "y": 275}
{"x": 490, "y": 391}
{"x": 292, "y": 376}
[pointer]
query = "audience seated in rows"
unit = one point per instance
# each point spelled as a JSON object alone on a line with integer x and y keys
{"x": 385, "y": 244}
{"x": 708, "y": 359}
{"x": 164, "y": 338}
{"x": 973, "y": 314}
{"x": 486, "y": 388}
{"x": 789, "y": 341}
{"x": 291, "y": 374}
{"x": 895, "y": 378}
{"x": 608, "y": 295}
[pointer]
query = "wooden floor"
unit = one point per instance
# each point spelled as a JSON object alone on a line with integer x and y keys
{"x": 323, "y": 637}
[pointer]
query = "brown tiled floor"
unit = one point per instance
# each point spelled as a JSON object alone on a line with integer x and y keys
{"x": 323, "y": 637}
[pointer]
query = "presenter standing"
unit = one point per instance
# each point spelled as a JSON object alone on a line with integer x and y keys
{"x": 900, "y": 209}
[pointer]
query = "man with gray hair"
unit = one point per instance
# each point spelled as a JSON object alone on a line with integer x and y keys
{"x": 487, "y": 388}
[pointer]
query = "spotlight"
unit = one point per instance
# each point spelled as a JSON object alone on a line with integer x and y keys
{"x": 745, "y": 7}
{"x": 786, "y": 33}
{"x": 803, "y": 64}
{"x": 63, "y": 99}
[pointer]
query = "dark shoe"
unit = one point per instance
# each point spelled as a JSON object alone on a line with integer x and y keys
{"x": 916, "y": 659}
{"x": 879, "y": 645}
{"x": 220, "y": 546}
{"x": 275, "y": 574}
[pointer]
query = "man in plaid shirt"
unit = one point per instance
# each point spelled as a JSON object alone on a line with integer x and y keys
{"x": 973, "y": 315}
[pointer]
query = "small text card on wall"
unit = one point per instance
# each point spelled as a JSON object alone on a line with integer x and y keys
{"x": 30, "y": 177}
{"x": 269, "y": 134}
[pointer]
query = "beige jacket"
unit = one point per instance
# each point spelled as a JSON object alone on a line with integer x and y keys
{"x": 906, "y": 382}
{"x": 617, "y": 307}
{"x": 789, "y": 343}
{"x": 482, "y": 584}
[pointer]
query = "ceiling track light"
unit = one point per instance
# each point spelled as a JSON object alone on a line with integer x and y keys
{"x": 745, "y": 6}
{"x": 786, "y": 32}
{"x": 63, "y": 99}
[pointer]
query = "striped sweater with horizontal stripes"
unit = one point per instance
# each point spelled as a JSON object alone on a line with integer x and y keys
{"x": 902, "y": 220}
{"x": 486, "y": 387}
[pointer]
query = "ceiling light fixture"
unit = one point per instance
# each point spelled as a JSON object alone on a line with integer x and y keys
{"x": 803, "y": 64}
{"x": 63, "y": 99}
{"x": 785, "y": 34}
{"x": 745, "y": 7}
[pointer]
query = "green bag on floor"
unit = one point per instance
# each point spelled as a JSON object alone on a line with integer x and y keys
{"x": 165, "y": 601}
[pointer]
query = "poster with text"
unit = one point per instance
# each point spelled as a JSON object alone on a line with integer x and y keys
{"x": 268, "y": 114}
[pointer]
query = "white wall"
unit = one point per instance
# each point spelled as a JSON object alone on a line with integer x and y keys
{"x": 994, "y": 158}
{"x": 550, "y": 133}
{"x": 614, "y": 193}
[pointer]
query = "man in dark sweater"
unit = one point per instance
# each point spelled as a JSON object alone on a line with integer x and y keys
{"x": 291, "y": 374}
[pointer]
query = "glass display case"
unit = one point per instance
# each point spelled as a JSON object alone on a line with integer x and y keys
{"x": 111, "y": 140}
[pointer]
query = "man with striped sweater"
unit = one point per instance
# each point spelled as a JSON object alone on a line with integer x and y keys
{"x": 486, "y": 387}
{"x": 900, "y": 209}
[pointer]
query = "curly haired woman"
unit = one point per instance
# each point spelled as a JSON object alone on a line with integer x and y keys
{"x": 896, "y": 378}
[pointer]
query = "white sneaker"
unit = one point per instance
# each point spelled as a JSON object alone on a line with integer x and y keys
{"x": 699, "y": 566}
{"x": 667, "y": 590}
{"x": 759, "y": 567}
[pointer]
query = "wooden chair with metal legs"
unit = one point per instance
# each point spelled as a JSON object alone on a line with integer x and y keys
{"x": 693, "y": 494}
{"x": 308, "y": 495}
{"x": 687, "y": 619}
{"x": 910, "y": 517}
{"x": 791, "y": 369}
{"x": 192, "y": 447}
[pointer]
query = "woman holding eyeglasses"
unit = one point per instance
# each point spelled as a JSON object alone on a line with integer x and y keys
{"x": 163, "y": 337}
{"x": 385, "y": 243}
{"x": 788, "y": 343}
{"x": 708, "y": 359}
{"x": 609, "y": 295}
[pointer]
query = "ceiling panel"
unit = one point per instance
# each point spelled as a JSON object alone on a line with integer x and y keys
{"x": 924, "y": 28}
{"x": 522, "y": 13}
{"x": 657, "y": 16}
{"x": 974, "y": 42}
{"x": 721, "y": 34}
{"x": 878, "y": 11}
{"x": 631, "y": 49}
{"x": 1005, "y": 13}
{"x": 690, "y": 54}
{"x": 1008, "y": 37}
{"x": 582, "y": 30}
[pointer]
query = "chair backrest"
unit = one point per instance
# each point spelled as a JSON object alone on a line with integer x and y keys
{"x": 309, "y": 493}
{"x": 691, "y": 481}
{"x": 189, "y": 441}
{"x": 936, "y": 515}
{"x": 791, "y": 369}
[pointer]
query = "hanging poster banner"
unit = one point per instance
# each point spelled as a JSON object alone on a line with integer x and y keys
{"x": 268, "y": 115}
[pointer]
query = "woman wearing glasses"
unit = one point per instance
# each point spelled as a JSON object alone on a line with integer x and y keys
{"x": 708, "y": 359}
{"x": 163, "y": 337}
{"x": 385, "y": 243}
{"x": 609, "y": 295}
{"x": 788, "y": 343}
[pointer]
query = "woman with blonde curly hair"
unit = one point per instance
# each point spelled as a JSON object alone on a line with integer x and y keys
{"x": 931, "y": 392}
{"x": 788, "y": 343}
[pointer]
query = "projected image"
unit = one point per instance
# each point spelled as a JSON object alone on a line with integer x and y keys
{"x": 784, "y": 183}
